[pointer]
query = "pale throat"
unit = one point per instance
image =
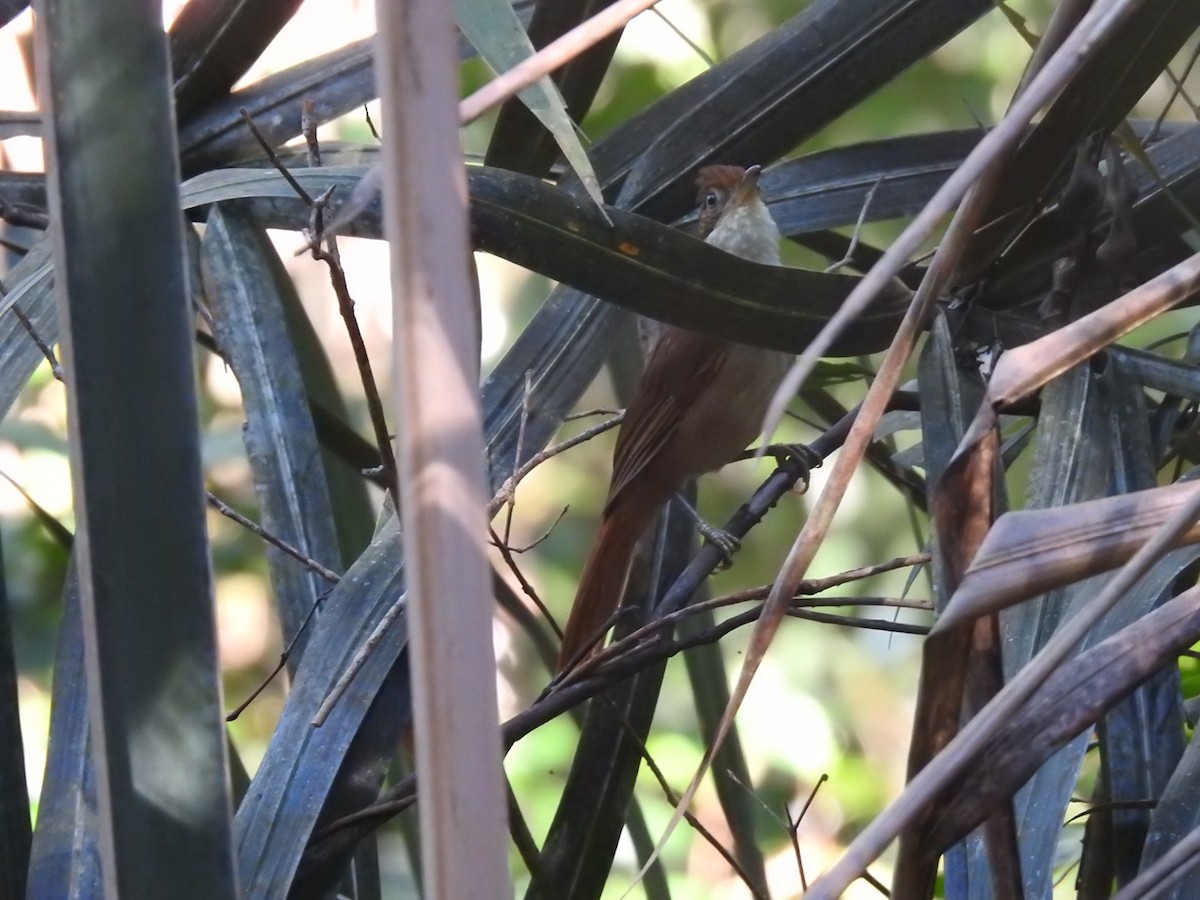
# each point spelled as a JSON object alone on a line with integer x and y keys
{"x": 748, "y": 231}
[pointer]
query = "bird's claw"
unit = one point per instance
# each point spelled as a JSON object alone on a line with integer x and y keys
{"x": 806, "y": 457}
{"x": 722, "y": 540}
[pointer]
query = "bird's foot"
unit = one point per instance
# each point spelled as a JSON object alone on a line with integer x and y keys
{"x": 807, "y": 458}
{"x": 727, "y": 543}
{"x": 722, "y": 540}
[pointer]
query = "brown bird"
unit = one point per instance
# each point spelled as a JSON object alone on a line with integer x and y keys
{"x": 699, "y": 403}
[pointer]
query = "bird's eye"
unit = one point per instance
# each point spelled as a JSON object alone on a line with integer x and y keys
{"x": 712, "y": 200}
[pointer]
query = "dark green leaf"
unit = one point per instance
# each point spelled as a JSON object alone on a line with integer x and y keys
{"x": 244, "y": 282}
{"x": 591, "y": 813}
{"x": 214, "y": 43}
{"x": 135, "y": 450}
{"x": 15, "y": 826}
{"x": 1094, "y": 102}
{"x": 65, "y": 859}
{"x": 769, "y": 96}
{"x": 635, "y": 262}
{"x": 518, "y": 141}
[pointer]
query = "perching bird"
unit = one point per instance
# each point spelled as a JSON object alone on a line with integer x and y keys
{"x": 699, "y": 403}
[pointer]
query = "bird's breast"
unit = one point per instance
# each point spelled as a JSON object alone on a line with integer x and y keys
{"x": 729, "y": 413}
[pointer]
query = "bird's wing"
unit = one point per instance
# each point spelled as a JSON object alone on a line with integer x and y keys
{"x": 655, "y": 411}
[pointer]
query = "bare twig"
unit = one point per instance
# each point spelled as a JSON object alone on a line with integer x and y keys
{"x": 565, "y": 695}
{"x": 696, "y": 824}
{"x": 337, "y": 277}
{"x": 793, "y": 827}
{"x": 274, "y": 159}
{"x": 588, "y": 413}
{"x": 510, "y": 506}
{"x": 308, "y": 562}
{"x": 47, "y": 350}
{"x": 679, "y": 33}
{"x": 505, "y": 544}
{"x": 359, "y": 660}
{"x": 1177, "y": 92}
{"x": 368, "y": 646}
{"x": 283, "y": 661}
{"x": 308, "y": 127}
{"x": 507, "y": 554}
{"x": 505, "y": 492}
{"x": 848, "y": 257}
{"x": 656, "y": 632}
{"x": 217, "y": 504}
{"x": 370, "y": 124}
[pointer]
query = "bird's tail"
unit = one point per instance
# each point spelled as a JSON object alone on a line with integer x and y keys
{"x": 603, "y": 580}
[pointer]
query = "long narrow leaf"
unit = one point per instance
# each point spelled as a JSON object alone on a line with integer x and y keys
{"x": 647, "y": 267}
{"x": 517, "y": 141}
{"x": 154, "y": 688}
{"x": 15, "y": 827}
{"x": 493, "y": 27}
{"x": 65, "y": 859}
{"x": 214, "y": 43}
{"x": 244, "y": 279}
{"x": 761, "y": 102}
{"x": 1070, "y": 701}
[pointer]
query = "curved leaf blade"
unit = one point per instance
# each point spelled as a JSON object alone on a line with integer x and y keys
{"x": 640, "y": 264}
{"x": 244, "y": 279}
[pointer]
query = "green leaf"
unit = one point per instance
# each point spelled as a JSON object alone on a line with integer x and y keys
{"x": 493, "y": 27}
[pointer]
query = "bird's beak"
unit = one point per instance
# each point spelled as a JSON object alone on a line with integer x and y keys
{"x": 747, "y": 188}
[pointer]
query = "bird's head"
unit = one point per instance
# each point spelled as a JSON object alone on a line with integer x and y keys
{"x": 733, "y": 215}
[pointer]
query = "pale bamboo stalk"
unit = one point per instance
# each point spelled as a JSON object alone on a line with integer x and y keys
{"x": 441, "y": 460}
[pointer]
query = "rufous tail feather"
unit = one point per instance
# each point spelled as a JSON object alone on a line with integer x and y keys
{"x": 603, "y": 580}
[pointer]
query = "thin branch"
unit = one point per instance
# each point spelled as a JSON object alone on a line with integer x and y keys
{"x": 588, "y": 413}
{"x": 564, "y": 696}
{"x": 307, "y": 561}
{"x": 506, "y": 554}
{"x": 283, "y": 661}
{"x": 518, "y": 452}
{"x": 368, "y": 646}
{"x": 505, "y": 545}
{"x": 274, "y": 159}
{"x": 679, "y": 33}
{"x": 47, "y": 350}
{"x": 370, "y": 124}
{"x": 308, "y": 127}
{"x": 696, "y": 824}
{"x": 328, "y": 254}
{"x": 505, "y": 492}
{"x": 359, "y": 660}
{"x": 217, "y": 504}
{"x": 1177, "y": 92}
{"x": 793, "y": 827}
{"x": 848, "y": 258}
{"x": 337, "y": 278}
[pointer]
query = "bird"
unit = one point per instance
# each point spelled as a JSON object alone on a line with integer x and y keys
{"x": 699, "y": 403}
